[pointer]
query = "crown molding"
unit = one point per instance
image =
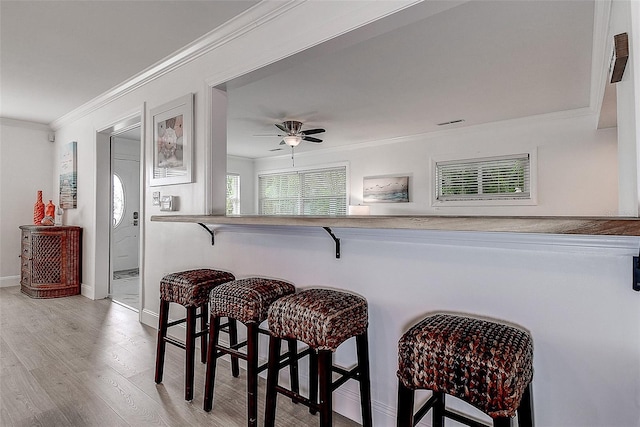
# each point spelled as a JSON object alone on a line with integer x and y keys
{"x": 247, "y": 21}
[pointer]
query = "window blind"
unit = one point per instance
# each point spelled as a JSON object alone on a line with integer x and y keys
{"x": 308, "y": 192}
{"x": 490, "y": 178}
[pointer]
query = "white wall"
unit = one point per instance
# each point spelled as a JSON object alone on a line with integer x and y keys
{"x": 26, "y": 166}
{"x": 576, "y": 165}
{"x": 573, "y": 293}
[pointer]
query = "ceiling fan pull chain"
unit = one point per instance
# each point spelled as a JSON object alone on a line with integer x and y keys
{"x": 293, "y": 161}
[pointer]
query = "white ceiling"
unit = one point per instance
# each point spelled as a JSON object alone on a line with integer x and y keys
{"x": 58, "y": 55}
{"x": 480, "y": 61}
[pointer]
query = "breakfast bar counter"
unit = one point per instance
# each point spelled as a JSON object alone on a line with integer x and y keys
{"x": 614, "y": 226}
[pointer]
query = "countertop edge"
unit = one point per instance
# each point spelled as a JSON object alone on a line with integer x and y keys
{"x": 614, "y": 226}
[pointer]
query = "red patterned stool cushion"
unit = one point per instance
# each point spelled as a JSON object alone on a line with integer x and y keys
{"x": 321, "y": 318}
{"x": 247, "y": 300}
{"x": 191, "y": 288}
{"x": 486, "y": 364}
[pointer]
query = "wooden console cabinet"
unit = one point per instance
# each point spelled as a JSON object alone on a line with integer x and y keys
{"x": 51, "y": 261}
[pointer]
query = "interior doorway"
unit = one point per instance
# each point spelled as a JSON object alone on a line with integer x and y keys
{"x": 124, "y": 283}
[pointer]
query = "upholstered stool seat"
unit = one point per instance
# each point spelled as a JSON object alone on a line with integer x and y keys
{"x": 323, "y": 319}
{"x": 247, "y": 301}
{"x": 191, "y": 290}
{"x": 486, "y": 364}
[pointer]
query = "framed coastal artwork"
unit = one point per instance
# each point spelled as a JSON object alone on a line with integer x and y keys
{"x": 385, "y": 189}
{"x": 69, "y": 177}
{"x": 172, "y": 143}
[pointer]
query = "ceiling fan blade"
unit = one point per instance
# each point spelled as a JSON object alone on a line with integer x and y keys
{"x": 312, "y": 131}
{"x": 282, "y": 128}
{"x": 267, "y": 134}
{"x": 311, "y": 139}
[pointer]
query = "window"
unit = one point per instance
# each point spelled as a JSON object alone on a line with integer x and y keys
{"x": 489, "y": 178}
{"x": 309, "y": 192}
{"x": 233, "y": 194}
{"x": 118, "y": 200}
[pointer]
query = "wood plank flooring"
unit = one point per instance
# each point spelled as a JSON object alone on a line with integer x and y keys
{"x": 76, "y": 362}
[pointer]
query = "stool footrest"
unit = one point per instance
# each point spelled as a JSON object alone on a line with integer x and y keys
{"x": 464, "y": 420}
{"x": 176, "y": 322}
{"x": 298, "y": 398}
{"x": 424, "y": 409}
{"x": 175, "y": 342}
{"x": 345, "y": 375}
{"x": 428, "y": 405}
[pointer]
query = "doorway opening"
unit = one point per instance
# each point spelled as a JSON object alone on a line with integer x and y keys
{"x": 124, "y": 283}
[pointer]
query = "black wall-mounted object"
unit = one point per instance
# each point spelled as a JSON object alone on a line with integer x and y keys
{"x": 620, "y": 56}
{"x": 636, "y": 273}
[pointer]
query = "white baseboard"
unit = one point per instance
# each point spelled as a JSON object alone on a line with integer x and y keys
{"x": 88, "y": 291}
{"x": 149, "y": 318}
{"x": 8, "y": 281}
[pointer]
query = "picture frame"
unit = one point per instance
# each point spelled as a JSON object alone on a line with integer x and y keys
{"x": 68, "y": 196}
{"x": 385, "y": 189}
{"x": 172, "y": 142}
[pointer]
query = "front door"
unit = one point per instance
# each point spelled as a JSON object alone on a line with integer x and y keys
{"x": 125, "y": 236}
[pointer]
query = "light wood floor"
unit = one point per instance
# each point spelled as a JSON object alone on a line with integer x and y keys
{"x": 76, "y": 362}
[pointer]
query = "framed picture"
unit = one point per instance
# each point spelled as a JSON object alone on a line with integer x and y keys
{"x": 69, "y": 177}
{"x": 385, "y": 189}
{"x": 172, "y": 142}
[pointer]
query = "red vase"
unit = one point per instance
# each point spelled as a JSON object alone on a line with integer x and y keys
{"x": 38, "y": 210}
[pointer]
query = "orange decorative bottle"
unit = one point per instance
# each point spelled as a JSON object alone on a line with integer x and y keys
{"x": 38, "y": 210}
{"x": 51, "y": 209}
{"x": 49, "y": 215}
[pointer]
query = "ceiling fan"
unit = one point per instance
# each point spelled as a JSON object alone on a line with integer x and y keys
{"x": 294, "y": 133}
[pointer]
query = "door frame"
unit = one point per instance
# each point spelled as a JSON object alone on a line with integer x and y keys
{"x": 103, "y": 202}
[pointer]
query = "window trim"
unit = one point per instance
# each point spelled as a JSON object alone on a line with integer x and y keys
{"x": 532, "y": 200}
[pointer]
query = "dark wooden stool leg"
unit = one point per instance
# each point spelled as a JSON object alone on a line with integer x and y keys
{"x": 324, "y": 375}
{"x": 272, "y": 382}
{"x": 252, "y": 374}
{"x": 406, "y": 398}
{"x": 212, "y": 358}
{"x": 525, "y": 411}
{"x": 362, "y": 347}
{"x": 438, "y": 409}
{"x": 233, "y": 340}
{"x": 313, "y": 379}
{"x": 161, "y": 345}
{"x": 502, "y": 422}
{"x": 293, "y": 366}
{"x": 190, "y": 347}
{"x": 204, "y": 324}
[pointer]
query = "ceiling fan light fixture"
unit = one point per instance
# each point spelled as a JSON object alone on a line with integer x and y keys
{"x": 292, "y": 140}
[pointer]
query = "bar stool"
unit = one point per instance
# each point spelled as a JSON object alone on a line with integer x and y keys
{"x": 247, "y": 301}
{"x": 323, "y": 319}
{"x": 191, "y": 290}
{"x": 486, "y": 364}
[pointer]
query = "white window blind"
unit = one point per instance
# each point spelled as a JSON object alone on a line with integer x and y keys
{"x": 309, "y": 192}
{"x": 490, "y": 178}
{"x": 233, "y": 194}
